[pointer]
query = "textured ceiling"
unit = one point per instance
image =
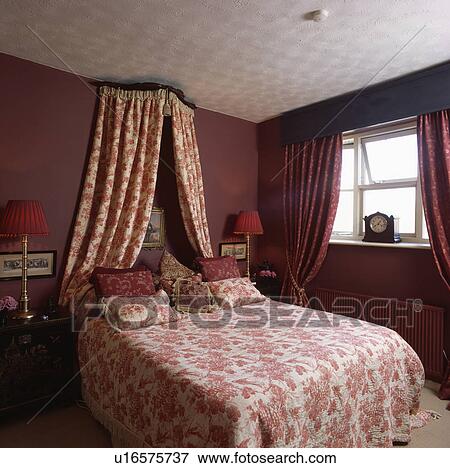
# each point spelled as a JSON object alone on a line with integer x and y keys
{"x": 249, "y": 58}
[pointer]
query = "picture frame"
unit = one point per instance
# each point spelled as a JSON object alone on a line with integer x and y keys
{"x": 155, "y": 236}
{"x": 235, "y": 249}
{"x": 41, "y": 264}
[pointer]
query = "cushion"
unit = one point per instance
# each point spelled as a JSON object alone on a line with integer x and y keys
{"x": 193, "y": 296}
{"x": 105, "y": 270}
{"x": 235, "y": 292}
{"x": 135, "y": 283}
{"x": 130, "y": 313}
{"x": 218, "y": 268}
{"x": 171, "y": 269}
{"x": 169, "y": 284}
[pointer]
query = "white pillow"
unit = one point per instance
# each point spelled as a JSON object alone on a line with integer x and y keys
{"x": 235, "y": 292}
{"x": 130, "y": 313}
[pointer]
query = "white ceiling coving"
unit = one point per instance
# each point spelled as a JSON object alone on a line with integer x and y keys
{"x": 252, "y": 59}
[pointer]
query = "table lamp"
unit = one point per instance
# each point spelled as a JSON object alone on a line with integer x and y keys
{"x": 23, "y": 218}
{"x": 249, "y": 224}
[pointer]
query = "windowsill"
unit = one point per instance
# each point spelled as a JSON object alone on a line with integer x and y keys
{"x": 399, "y": 245}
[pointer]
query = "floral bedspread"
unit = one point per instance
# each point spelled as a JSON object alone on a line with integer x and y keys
{"x": 289, "y": 377}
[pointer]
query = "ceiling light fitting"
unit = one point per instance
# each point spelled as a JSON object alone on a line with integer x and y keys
{"x": 319, "y": 15}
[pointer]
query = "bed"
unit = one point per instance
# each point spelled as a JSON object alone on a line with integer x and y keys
{"x": 266, "y": 375}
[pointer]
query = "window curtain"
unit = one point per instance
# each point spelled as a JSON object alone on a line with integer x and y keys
{"x": 433, "y": 135}
{"x": 119, "y": 185}
{"x": 311, "y": 194}
{"x": 189, "y": 178}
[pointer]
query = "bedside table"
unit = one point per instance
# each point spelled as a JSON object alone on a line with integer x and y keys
{"x": 270, "y": 287}
{"x": 36, "y": 359}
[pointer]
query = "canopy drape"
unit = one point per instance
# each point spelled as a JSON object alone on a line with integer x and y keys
{"x": 119, "y": 186}
{"x": 189, "y": 180}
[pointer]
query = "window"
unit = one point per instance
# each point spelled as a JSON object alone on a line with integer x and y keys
{"x": 380, "y": 173}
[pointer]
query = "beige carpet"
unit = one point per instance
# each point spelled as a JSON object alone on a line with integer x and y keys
{"x": 437, "y": 432}
{"x": 74, "y": 427}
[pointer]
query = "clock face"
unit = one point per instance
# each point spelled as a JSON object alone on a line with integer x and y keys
{"x": 378, "y": 224}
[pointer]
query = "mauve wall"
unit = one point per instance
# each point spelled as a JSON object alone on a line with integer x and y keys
{"x": 45, "y": 129}
{"x": 383, "y": 272}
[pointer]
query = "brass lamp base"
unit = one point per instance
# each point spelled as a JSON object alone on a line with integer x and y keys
{"x": 24, "y": 312}
{"x": 247, "y": 273}
{"x": 23, "y": 315}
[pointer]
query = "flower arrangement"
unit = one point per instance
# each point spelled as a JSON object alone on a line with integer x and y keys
{"x": 267, "y": 274}
{"x": 8, "y": 304}
{"x": 265, "y": 270}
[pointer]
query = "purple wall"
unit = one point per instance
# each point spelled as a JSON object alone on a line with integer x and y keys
{"x": 45, "y": 127}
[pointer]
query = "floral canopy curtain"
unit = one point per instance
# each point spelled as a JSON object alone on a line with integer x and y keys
{"x": 189, "y": 178}
{"x": 119, "y": 186}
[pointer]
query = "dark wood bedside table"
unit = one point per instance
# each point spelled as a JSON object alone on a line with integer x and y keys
{"x": 36, "y": 360}
{"x": 270, "y": 287}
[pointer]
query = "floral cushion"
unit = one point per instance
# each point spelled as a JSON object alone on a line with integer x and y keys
{"x": 111, "y": 271}
{"x": 218, "y": 268}
{"x": 171, "y": 269}
{"x": 130, "y": 313}
{"x": 193, "y": 296}
{"x": 169, "y": 284}
{"x": 136, "y": 283}
{"x": 235, "y": 292}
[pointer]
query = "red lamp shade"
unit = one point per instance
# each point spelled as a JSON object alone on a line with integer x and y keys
{"x": 248, "y": 222}
{"x": 23, "y": 217}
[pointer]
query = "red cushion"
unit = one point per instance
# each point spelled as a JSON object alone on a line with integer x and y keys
{"x": 136, "y": 283}
{"x": 111, "y": 271}
{"x": 218, "y": 268}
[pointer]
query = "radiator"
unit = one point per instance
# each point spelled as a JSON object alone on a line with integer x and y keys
{"x": 422, "y": 326}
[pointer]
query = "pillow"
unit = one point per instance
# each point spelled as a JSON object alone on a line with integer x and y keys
{"x": 130, "y": 313}
{"x": 136, "y": 283}
{"x": 193, "y": 296}
{"x": 169, "y": 284}
{"x": 218, "y": 268}
{"x": 171, "y": 269}
{"x": 235, "y": 292}
{"x": 105, "y": 270}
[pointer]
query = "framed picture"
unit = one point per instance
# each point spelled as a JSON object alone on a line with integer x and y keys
{"x": 41, "y": 264}
{"x": 236, "y": 249}
{"x": 155, "y": 236}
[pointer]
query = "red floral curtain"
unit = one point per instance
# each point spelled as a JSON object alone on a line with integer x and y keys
{"x": 119, "y": 187}
{"x": 311, "y": 194}
{"x": 433, "y": 136}
{"x": 189, "y": 178}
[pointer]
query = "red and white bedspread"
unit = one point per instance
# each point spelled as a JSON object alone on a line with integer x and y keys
{"x": 229, "y": 385}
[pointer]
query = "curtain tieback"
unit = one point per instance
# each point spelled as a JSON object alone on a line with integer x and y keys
{"x": 302, "y": 298}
